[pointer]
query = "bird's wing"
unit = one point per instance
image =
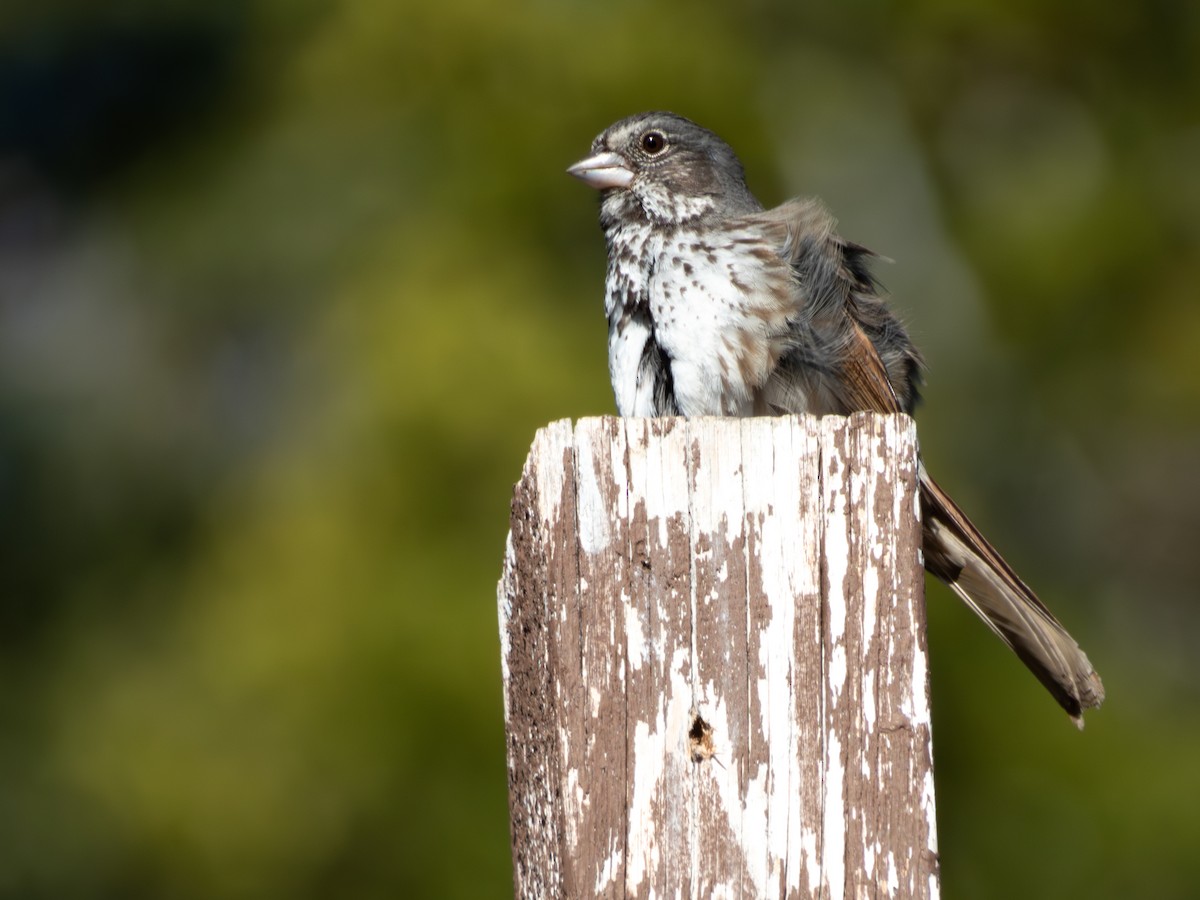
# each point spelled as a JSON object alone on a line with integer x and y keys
{"x": 864, "y": 383}
{"x": 831, "y": 365}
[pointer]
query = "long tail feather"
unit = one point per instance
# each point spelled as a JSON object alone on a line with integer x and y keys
{"x": 960, "y": 556}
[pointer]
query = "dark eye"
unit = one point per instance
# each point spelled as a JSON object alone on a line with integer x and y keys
{"x": 653, "y": 143}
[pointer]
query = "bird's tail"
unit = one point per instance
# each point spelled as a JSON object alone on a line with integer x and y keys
{"x": 960, "y": 556}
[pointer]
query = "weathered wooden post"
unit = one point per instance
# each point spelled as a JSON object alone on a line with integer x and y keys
{"x": 713, "y": 637}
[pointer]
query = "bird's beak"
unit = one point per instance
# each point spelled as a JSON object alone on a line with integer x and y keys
{"x": 604, "y": 170}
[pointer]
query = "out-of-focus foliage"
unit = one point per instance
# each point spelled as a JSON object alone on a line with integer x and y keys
{"x": 286, "y": 288}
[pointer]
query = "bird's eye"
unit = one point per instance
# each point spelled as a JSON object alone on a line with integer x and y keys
{"x": 653, "y": 143}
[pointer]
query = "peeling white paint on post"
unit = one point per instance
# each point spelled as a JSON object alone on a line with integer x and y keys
{"x": 720, "y": 683}
{"x": 713, "y": 650}
{"x": 659, "y": 766}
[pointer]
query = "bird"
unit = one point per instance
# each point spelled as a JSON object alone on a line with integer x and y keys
{"x": 717, "y": 306}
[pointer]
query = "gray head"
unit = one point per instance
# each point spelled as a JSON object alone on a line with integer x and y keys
{"x": 665, "y": 169}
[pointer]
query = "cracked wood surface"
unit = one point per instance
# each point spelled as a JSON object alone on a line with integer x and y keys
{"x": 713, "y": 646}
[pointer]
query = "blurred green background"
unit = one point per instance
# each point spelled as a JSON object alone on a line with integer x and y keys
{"x": 286, "y": 289}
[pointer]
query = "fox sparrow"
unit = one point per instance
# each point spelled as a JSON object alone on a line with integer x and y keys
{"x": 718, "y": 307}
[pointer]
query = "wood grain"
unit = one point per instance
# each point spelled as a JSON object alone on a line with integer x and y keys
{"x": 713, "y": 642}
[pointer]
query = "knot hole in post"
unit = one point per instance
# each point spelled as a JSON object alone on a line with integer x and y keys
{"x": 700, "y": 740}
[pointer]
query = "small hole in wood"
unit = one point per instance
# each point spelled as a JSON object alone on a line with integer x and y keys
{"x": 701, "y": 741}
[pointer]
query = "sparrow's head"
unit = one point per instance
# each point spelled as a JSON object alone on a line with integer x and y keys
{"x": 666, "y": 169}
